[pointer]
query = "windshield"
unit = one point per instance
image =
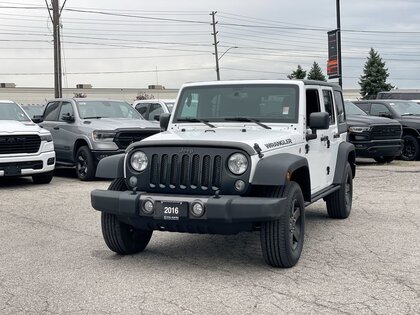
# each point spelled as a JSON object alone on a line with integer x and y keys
{"x": 406, "y": 108}
{"x": 352, "y": 109}
{"x": 268, "y": 103}
{"x": 11, "y": 111}
{"x": 106, "y": 109}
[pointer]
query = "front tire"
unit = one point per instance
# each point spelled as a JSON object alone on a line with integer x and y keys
{"x": 85, "y": 164}
{"x": 44, "y": 178}
{"x": 411, "y": 148}
{"x": 120, "y": 237}
{"x": 282, "y": 239}
{"x": 339, "y": 202}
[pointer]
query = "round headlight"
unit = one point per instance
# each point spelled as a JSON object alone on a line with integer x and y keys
{"x": 238, "y": 163}
{"x": 138, "y": 161}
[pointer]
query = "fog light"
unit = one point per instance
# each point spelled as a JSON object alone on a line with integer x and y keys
{"x": 148, "y": 206}
{"x": 50, "y": 161}
{"x": 197, "y": 209}
{"x": 239, "y": 185}
{"x": 133, "y": 181}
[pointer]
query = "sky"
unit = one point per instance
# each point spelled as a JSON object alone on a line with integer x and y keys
{"x": 132, "y": 44}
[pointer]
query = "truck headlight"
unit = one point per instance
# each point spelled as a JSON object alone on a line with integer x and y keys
{"x": 47, "y": 138}
{"x": 238, "y": 163}
{"x": 103, "y": 136}
{"x": 138, "y": 161}
{"x": 359, "y": 129}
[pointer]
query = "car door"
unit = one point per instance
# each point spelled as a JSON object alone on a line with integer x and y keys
{"x": 154, "y": 111}
{"x": 316, "y": 151}
{"x": 380, "y": 110}
{"x": 143, "y": 109}
{"x": 65, "y": 133}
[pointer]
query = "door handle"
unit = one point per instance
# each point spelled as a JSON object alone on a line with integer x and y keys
{"x": 56, "y": 128}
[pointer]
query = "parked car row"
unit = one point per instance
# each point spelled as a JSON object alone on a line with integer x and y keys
{"x": 87, "y": 130}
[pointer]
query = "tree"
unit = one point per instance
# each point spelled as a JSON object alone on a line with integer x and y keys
{"x": 144, "y": 96}
{"x": 316, "y": 73}
{"x": 374, "y": 76}
{"x": 299, "y": 73}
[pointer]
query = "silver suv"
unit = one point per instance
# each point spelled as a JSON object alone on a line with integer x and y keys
{"x": 86, "y": 130}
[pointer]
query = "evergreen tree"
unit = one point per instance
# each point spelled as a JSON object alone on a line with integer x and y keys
{"x": 374, "y": 76}
{"x": 299, "y": 73}
{"x": 316, "y": 73}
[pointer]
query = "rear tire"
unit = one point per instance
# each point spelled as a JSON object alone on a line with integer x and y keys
{"x": 85, "y": 164}
{"x": 384, "y": 159}
{"x": 282, "y": 239}
{"x": 411, "y": 148}
{"x": 44, "y": 178}
{"x": 120, "y": 237}
{"x": 339, "y": 202}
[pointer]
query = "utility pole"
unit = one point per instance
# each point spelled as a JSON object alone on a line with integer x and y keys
{"x": 213, "y": 13}
{"x": 340, "y": 67}
{"x": 55, "y": 19}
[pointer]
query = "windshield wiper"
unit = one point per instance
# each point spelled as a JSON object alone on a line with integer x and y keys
{"x": 247, "y": 119}
{"x": 191, "y": 119}
{"x": 407, "y": 114}
{"x": 93, "y": 117}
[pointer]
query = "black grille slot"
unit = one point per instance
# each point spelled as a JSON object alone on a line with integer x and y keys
{"x": 183, "y": 171}
{"x": 124, "y": 138}
{"x": 385, "y": 132}
{"x": 19, "y": 144}
{"x": 217, "y": 172}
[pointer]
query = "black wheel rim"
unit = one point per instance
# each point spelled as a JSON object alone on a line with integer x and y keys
{"x": 409, "y": 149}
{"x": 82, "y": 164}
{"x": 295, "y": 224}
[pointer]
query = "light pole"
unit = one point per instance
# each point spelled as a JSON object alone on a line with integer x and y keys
{"x": 218, "y": 59}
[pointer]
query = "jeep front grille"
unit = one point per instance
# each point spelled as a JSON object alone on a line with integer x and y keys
{"x": 19, "y": 144}
{"x": 186, "y": 171}
{"x": 386, "y": 132}
{"x": 124, "y": 138}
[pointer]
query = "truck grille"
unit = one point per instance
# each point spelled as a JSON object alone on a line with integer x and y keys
{"x": 124, "y": 138}
{"x": 19, "y": 144}
{"x": 386, "y": 132}
{"x": 186, "y": 171}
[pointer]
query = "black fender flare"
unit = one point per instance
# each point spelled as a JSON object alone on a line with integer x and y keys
{"x": 111, "y": 167}
{"x": 273, "y": 170}
{"x": 346, "y": 153}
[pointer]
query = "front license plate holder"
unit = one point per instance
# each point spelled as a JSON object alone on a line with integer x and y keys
{"x": 171, "y": 210}
{"x": 12, "y": 170}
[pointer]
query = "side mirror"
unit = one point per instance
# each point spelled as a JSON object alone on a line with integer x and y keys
{"x": 156, "y": 117}
{"x": 385, "y": 114}
{"x": 67, "y": 117}
{"x": 37, "y": 119}
{"x": 318, "y": 121}
{"x": 164, "y": 120}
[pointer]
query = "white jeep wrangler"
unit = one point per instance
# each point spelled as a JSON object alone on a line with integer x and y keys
{"x": 25, "y": 148}
{"x": 235, "y": 156}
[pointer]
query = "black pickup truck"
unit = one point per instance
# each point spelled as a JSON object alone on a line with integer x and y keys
{"x": 374, "y": 137}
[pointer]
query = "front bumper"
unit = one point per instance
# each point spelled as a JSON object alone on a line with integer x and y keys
{"x": 378, "y": 148}
{"x": 27, "y": 165}
{"x": 225, "y": 209}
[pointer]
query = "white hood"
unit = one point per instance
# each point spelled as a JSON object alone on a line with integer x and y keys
{"x": 13, "y": 126}
{"x": 266, "y": 138}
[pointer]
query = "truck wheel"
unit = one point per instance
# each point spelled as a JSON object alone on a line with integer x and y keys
{"x": 339, "y": 202}
{"x": 410, "y": 150}
{"x": 85, "y": 165}
{"x": 282, "y": 239}
{"x": 43, "y": 178}
{"x": 384, "y": 159}
{"x": 120, "y": 237}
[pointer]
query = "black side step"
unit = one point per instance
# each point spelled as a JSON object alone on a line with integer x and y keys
{"x": 321, "y": 194}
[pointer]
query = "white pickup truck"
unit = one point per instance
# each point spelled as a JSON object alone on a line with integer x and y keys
{"x": 25, "y": 148}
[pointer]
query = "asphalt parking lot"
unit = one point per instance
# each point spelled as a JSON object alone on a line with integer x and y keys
{"x": 53, "y": 258}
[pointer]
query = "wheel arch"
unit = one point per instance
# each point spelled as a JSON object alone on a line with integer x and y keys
{"x": 346, "y": 153}
{"x": 78, "y": 144}
{"x": 410, "y": 131}
{"x": 288, "y": 167}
